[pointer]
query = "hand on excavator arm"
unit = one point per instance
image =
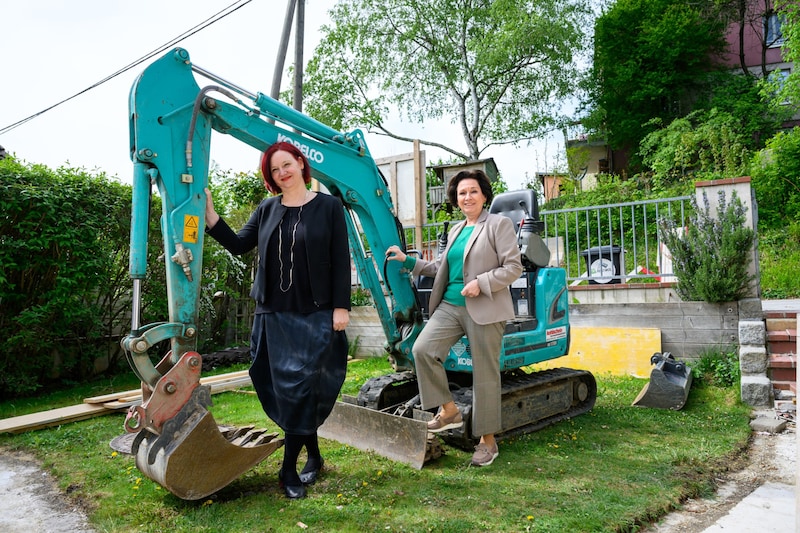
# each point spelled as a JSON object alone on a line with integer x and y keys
{"x": 211, "y": 214}
{"x": 394, "y": 253}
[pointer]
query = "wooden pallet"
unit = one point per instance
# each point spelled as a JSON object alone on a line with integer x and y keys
{"x": 109, "y": 403}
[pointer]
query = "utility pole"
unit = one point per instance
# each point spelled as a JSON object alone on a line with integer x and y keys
{"x": 297, "y": 93}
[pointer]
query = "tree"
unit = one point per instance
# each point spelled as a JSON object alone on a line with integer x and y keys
{"x": 790, "y": 28}
{"x": 651, "y": 61}
{"x": 497, "y": 68}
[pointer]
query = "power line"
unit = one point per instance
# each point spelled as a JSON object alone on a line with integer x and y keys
{"x": 188, "y": 33}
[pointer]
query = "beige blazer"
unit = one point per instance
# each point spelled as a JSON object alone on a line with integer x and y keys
{"x": 492, "y": 257}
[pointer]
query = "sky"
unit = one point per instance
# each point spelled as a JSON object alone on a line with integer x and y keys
{"x": 54, "y": 49}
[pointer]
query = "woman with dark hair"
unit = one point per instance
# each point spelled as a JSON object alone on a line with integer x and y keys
{"x": 470, "y": 296}
{"x": 302, "y": 294}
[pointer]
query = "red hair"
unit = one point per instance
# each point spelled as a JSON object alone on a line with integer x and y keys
{"x": 295, "y": 152}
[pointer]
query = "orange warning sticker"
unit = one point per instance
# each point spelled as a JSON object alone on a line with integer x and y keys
{"x": 190, "y": 228}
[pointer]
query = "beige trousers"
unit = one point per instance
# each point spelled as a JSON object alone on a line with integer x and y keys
{"x": 444, "y": 328}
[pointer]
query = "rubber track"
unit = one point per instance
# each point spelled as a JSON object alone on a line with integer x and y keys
{"x": 544, "y": 378}
{"x": 513, "y": 381}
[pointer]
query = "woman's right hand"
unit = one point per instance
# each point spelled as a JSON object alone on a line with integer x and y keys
{"x": 211, "y": 214}
{"x": 394, "y": 253}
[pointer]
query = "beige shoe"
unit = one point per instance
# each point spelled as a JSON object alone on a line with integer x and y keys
{"x": 440, "y": 423}
{"x": 484, "y": 455}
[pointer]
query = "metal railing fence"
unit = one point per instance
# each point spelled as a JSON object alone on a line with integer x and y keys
{"x": 623, "y": 237}
{"x": 626, "y": 233}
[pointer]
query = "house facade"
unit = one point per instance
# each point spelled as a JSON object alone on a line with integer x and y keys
{"x": 755, "y": 45}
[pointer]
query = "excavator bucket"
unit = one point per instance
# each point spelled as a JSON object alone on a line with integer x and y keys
{"x": 669, "y": 384}
{"x": 193, "y": 457}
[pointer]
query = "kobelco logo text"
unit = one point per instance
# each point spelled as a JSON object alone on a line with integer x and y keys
{"x": 315, "y": 156}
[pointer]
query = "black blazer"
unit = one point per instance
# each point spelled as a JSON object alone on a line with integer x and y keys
{"x": 327, "y": 249}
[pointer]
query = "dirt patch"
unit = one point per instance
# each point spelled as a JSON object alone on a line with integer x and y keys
{"x": 30, "y": 500}
{"x": 769, "y": 458}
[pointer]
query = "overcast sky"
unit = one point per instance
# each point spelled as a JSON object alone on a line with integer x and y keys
{"x": 54, "y": 49}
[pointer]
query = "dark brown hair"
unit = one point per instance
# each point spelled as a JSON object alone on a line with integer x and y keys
{"x": 295, "y": 152}
{"x": 477, "y": 175}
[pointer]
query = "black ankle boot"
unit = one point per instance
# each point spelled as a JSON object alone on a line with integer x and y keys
{"x": 292, "y": 491}
{"x": 311, "y": 471}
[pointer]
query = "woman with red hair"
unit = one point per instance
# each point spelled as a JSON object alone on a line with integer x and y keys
{"x": 302, "y": 294}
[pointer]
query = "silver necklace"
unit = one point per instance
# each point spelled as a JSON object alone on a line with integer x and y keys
{"x": 291, "y": 249}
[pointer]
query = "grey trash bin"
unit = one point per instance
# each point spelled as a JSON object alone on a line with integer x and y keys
{"x": 603, "y": 264}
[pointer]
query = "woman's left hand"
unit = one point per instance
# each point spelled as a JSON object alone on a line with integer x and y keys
{"x": 341, "y": 317}
{"x": 471, "y": 289}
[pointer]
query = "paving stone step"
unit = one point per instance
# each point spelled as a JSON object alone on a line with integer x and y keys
{"x": 782, "y": 341}
{"x": 785, "y": 385}
{"x": 782, "y": 361}
{"x": 783, "y": 375}
{"x": 780, "y": 314}
{"x": 777, "y": 324}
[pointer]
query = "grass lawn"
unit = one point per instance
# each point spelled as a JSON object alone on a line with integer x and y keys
{"x": 616, "y": 468}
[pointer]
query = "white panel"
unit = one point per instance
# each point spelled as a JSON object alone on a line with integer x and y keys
{"x": 405, "y": 195}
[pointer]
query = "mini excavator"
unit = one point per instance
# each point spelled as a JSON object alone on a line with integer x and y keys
{"x": 172, "y": 434}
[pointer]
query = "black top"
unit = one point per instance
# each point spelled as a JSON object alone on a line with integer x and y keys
{"x": 321, "y": 253}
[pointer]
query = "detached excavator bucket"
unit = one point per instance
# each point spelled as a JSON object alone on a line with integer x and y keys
{"x": 193, "y": 457}
{"x": 669, "y": 384}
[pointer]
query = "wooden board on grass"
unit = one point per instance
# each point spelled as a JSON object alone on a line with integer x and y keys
{"x": 109, "y": 403}
{"x": 52, "y": 417}
{"x": 610, "y": 350}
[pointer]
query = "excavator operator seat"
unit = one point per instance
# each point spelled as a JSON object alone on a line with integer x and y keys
{"x": 523, "y": 209}
{"x": 516, "y": 205}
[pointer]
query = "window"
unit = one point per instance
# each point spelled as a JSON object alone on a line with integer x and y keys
{"x": 778, "y": 78}
{"x": 772, "y": 29}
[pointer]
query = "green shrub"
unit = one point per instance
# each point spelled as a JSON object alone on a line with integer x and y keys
{"x": 776, "y": 179}
{"x": 719, "y": 368}
{"x": 360, "y": 296}
{"x": 779, "y": 255}
{"x": 711, "y": 259}
{"x": 60, "y": 268}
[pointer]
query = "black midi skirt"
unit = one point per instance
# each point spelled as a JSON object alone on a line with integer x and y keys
{"x": 298, "y": 368}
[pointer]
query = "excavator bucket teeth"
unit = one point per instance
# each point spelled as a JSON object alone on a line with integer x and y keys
{"x": 195, "y": 459}
{"x": 401, "y": 439}
{"x": 669, "y": 384}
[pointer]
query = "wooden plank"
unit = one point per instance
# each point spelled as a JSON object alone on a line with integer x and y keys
{"x": 665, "y": 309}
{"x": 53, "y": 417}
{"x": 610, "y": 350}
{"x": 216, "y": 387}
{"x": 107, "y": 398}
{"x": 115, "y": 402}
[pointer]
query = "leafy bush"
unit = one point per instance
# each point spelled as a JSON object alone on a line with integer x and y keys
{"x": 65, "y": 290}
{"x": 711, "y": 259}
{"x": 779, "y": 255}
{"x": 360, "y": 296}
{"x": 709, "y": 144}
{"x": 60, "y": 267}
{"x": 776, "y": 179}
{"x": 718, "y": 368}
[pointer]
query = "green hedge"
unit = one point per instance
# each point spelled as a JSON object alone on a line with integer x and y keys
{"x": 64, "y": 284}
